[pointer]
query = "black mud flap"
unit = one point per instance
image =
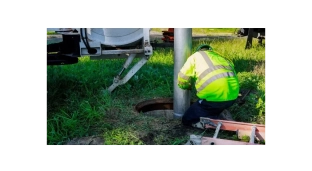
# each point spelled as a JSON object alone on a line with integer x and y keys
{"x": 57, "y": 59}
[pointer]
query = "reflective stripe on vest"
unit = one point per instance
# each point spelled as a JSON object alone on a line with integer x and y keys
{"x": 211, "y": 69}
{"x": 213, "y": 78}
{"x": 181, "y": 75}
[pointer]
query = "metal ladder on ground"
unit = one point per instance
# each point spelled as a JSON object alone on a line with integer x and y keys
{"x": 254, "y": 131}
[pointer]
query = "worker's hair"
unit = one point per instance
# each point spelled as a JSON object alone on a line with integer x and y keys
{"x": 204, "y": 49}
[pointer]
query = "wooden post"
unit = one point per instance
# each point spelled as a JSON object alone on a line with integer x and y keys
{"x": 249, "y": 38}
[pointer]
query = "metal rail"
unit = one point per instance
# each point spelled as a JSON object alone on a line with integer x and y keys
{"x": 255, "y": 131}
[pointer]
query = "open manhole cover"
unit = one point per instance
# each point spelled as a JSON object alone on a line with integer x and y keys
{"x": 156, "y": 107}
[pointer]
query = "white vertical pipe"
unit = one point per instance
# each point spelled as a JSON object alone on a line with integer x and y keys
{"x": 182, "y": 50}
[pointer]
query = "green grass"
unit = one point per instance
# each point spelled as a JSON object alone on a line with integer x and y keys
{"x": 207, "y": 31}
{"x": 77, "y": 106}
{"x": 51, "y": 32}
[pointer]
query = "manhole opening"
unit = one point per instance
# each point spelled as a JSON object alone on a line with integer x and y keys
{"x": 162, "y": 107}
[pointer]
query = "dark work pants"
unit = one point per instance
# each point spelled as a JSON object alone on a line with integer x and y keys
{"x": 211, "y": 110}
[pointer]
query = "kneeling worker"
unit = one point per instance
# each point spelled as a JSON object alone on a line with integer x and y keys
{"x": 216, "y": 84}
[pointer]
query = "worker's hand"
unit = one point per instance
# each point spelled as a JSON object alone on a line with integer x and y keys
{"x": 189, "y": 86}
{"x": 185, "y": 86}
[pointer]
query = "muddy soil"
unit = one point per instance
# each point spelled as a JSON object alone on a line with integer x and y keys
{"x": 91, "y": 140}
{"x": 176, "y": 132}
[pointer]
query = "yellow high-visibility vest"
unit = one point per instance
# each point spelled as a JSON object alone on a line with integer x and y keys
{"x": 215, "y": 77}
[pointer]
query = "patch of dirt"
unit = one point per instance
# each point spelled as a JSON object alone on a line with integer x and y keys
{"x": 181, "y": 130}
{"x": 91, "y": 140}
{"x": 148, "y": 139}
{"x": 170, "y": 131}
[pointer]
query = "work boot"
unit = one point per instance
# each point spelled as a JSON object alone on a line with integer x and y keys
{"x": 226, "y": 115}
{"x": 198, "y": 125}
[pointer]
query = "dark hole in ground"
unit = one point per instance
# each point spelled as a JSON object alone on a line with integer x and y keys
{"x": 157, "y": 107}
{"x": 155, "y": 104}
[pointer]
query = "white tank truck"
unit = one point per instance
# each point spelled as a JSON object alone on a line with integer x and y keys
{"x": 102, "y": 43}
